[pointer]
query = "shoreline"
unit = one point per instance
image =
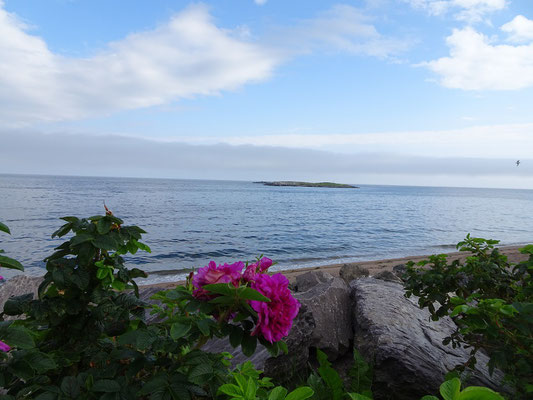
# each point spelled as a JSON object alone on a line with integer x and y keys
{"x": 373, "y": 266}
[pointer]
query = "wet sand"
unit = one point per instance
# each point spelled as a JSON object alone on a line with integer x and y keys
{"x": 512, "y": 252}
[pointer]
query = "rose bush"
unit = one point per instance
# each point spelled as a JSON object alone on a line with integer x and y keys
{"x": 86, "y": 335}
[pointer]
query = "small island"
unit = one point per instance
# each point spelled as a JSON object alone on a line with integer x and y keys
{"x": 309, "y": 184}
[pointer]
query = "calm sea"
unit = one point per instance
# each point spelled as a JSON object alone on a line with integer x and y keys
{"x": 190, "y": 222}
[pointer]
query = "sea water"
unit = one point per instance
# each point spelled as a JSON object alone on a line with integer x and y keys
{"x": 190, "y": 222}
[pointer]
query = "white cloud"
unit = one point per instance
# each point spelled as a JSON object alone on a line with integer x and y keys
{"x": 75, "y": 155}
{"x": 342, "y": 28}
{"x": 475, "y": 63}
{"x": 493, "y": 141}
{"x": 465, "y": 10}
{"x": 187, "y": 56}
{"x": 260, "y": 2}
{"x": 520, "y": 29}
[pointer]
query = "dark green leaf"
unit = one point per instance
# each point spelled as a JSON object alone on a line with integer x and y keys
{"x": 4, "y": 228}
{"x": 7, "y": 262}
{"x": 178, "y": 330}
{"x": 106, "y": 385}
{"x": 248, "y": 344}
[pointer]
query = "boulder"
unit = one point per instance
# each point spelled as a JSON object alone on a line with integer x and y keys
{"x": 17, "y": 286}
{"x": 306, "y": 281}
{"x": 399, "y": 270}
{"x": 329, "y": 303}
{"x": 388, "y": 276}
{"x": 349, "y": 272}
{"x": 404, "y": 345}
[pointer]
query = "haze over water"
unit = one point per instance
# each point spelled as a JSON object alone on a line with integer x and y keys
{"x": 190, "y": 222}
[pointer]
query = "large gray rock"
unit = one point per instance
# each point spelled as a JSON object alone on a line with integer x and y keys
{"x": 329, "y": 303}
{"x": 404, "y": 345}
{"x": 388, "y": 276}
{"x": 349, "y": 272}
{"x": 17, "y": 286}
{"x": 306, "y": 281}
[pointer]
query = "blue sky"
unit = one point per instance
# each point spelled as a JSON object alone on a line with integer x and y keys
{"x": 441, "y": 82}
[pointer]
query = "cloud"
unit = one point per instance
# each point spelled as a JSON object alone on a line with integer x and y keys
{"x": 470, "y": 11}
{"x": 342, "y": 28}
{"x": 260, "y": 2}
{"x": 520, "y": 29}
{"x": 492, "y": 141}
{"x": 476, "y": 63}
{"x": 187, "y": 56}
{"x": 184, "y": 57}
{"x": 122, "y": 156}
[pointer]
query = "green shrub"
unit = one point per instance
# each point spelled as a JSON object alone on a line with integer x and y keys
{"x": 85, "y": 337}
{"x": 491, "y": 302}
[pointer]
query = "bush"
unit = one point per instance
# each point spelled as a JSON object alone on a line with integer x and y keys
{"x": 491, "y": 302}
{"x": 85, "y": 336}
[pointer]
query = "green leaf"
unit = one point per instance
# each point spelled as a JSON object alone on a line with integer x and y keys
{"x": 283, "y": 347}
{"x": 248, "y": 293}
{"x": 251, "y": 389}
{"x": 427, "y": 397}
{"x": 4, "y": 228}
{"x": 199, "y": 373}
{"x": 104, "y": 243}
{"x": 357, "y": 396}
{"x": 7, "y": 262}
{"x": 459, "y": 309}
{"x": 178, "y": 330}
{"x": 226, "y": 289}
{"x": 203, "y": 326}
{"x": 62, "y": 231}
{"x": 17, "y": 336}
{"x": 230, "y": 390}
{"x": 142, "y": 246}
{"x": 301, "y": 393}
{"x": 248, "y": 344}
{"x": 278, "y": 393}
{"x": 70, "y": 387}
{"x": 479, "y": 393}
{"x": 235, "y": 336}
{"x": 106, "y": 385}
{"x": 449, "y": 390}
{"x": 40, "y": 362}
{"x": 81, "y": 238}
{"x": 104, "y": 225}
{"x": 47, "y": 396}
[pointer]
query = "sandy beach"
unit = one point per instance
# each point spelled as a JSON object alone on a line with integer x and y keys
{"x": 375, "y": 266}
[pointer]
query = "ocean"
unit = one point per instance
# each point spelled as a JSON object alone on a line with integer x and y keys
{"x": 190, "y": 222}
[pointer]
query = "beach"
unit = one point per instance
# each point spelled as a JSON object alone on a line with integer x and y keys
{"x": 512, "y": 252}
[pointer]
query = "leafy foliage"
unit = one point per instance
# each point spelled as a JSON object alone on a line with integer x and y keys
{"x": 86, "y": 337}
{"x": 451, "y": 390}
{"x": 246, "y": 384}
{"x": 489, "y": 299}
{"x": 328, "y": 385}
{"x": 7, "y": 262}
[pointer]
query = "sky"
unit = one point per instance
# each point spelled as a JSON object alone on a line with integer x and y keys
{"x": 405, "y": 92}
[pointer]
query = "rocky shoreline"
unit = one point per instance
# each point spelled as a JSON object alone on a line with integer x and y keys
{"x": 357, "y": 305}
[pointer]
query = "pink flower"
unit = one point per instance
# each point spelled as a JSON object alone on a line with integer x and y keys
{"x": 212, "y": 273}
{"x": 258, "y": 267}
{"x": 275, "y": 317}
{"x": 4, "y": 347}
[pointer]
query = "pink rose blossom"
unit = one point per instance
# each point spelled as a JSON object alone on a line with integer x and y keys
{"x": 4, "y": 347}
{"x": 212, "y": 273}
{"x": 274, "y": 317}
{"x": 258, "y": 267}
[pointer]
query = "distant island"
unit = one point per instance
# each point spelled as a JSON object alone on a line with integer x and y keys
{"x": 309, "y": 184}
